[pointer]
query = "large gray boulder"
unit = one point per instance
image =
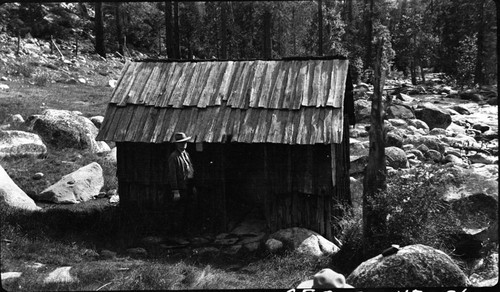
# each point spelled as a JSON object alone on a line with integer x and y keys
{"x": 20, "y": 143}
{"x": 81, "y": 185}
{"x": 431, "y": 142}
{"x": 12, "y": 196}
{"x": 400, "y": 111}
{"x": 305, "y": 241}
{"x": 362, "y": 110}
{"x": 412, "y": 266}
{"x": 434, "y": 116}
{"x": 396, "y": 157}
{"x": 67, "y": 129}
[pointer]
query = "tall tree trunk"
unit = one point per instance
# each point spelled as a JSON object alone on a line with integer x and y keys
{"x": 478, "y": 71}
{"x": 375, "y": 174}
{"x": 320, "y": 28}
{"x": 169, "y": 31}
{"x": 223, "y": 30}
{"x": 413, "y": 72}
{"x": 177, "y": 46}
{"x": 267, "y": 48}
{"x": 99, "y": 30}
{"x": 119, "y": 30}
{"x": 369, "y": 29}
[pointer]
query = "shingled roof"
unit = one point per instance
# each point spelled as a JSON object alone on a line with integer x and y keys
{"x": 280, "y": 101}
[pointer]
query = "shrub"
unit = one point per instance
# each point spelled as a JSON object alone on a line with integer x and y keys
{"x": 412, "y": 211}
{"x": 41, "y": 79}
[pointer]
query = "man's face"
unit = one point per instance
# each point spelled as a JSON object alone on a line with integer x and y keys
{"x": 181, "y": 146}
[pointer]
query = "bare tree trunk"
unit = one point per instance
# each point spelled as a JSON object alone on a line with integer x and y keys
{"x": 177, "y": 46}
{"x": 267, "y": 48}
{"x": 119, "y": 30}
{"x": 413, "y": 72}
{"x": 99, "y": 30}
{"x": 369, "y": 30}
{"x": 478, "y": 71}
{"x": 223, "y": 30}
{"x": 169, "y": 34}
{"x": 320, "y": 28}
{"x": 375, "y": 175}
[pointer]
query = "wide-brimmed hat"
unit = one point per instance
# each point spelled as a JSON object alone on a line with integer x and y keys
{"x": 181, "y": 137}
{"x": 326, "y": 278}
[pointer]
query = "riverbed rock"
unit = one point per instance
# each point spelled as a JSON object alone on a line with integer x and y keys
{"x": 434, "y": 116}
{"x": 12, "y": 196}
{"x": 19, "y": 143}
{"x": 396, "y": 157}
{"x": 400, "y": 111}
{"x": 78, "y": 186}
{"x": 305, "y": 241}
{"x": 412, "y": 266}
{"x": 362, "y": 109}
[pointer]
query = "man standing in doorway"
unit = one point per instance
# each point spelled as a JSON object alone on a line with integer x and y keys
{"x": 180, "y": 179}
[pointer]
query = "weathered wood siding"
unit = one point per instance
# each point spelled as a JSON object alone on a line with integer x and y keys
{"x": 291, "y": 184}
{"x": 282, "y": 102}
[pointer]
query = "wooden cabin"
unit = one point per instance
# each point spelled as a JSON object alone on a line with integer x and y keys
{"x": 267, "y": 135}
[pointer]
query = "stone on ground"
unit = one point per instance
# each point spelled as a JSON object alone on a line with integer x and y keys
{"x": 305, "y": 241}
{"x": 12, "y": 196}
{"x": 78, "y": 186}
{"x": 60, "y": 275}
{"x": 412, "y": 266}
{"x": 19, "y": 143}
{"x": 433, "y": 115}
{"x": 66, "y": 129}
{"x": 400, "y": 111}
{"x": 396, "y": 157}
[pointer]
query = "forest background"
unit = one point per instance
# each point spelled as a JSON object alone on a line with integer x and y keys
{"x": 457, "y": 38}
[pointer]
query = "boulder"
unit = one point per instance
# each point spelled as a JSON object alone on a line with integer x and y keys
{"x": 305, "y": 241}
{"x": 439, "y": 132}
{"x": 12, "y": 196}
{"x": 482, "y": 158}
{"x": 111, "y": 156}
{"x": 358, "y": 164}
{"x": 396, "y": 157}
{"x": 451, "y": 158}
{"x": 81, "y": 185}
{"x": 14, "y": 120}
{"x": 412, "y": 266}
{"x": 463, "y": 110}
{"x": 431, "y": 142}
{"x": 97, "y": 121}
{"x": 60, "y": 275}
{"x": 481, "y": 127}
{"x": 400, "y": 111}
{"x": 433, "y": 155}
{"x": 454, "y": 128}
{"x": 20, "y": 143}
{"x": 66, "y": 129}
{"x": 362, "y": 109}
{"x": 485, "y": 273}
{"x": 434, "y": 116}
{"x": 393, "y": 139}
{"x": 400, "y": 123}
{"x": 274, "y": 245}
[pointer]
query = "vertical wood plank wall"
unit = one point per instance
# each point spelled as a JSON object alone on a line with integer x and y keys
{"x": 291, "y": 184}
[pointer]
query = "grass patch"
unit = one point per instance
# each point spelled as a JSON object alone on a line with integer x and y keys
{"x": 28, "y": 99}
{"x": 54, "y": 165}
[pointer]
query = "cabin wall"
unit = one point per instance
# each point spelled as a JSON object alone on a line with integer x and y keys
{"x": 291, "y": 185}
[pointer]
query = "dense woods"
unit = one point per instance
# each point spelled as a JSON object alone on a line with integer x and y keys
{"x": 454, "y": 37}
